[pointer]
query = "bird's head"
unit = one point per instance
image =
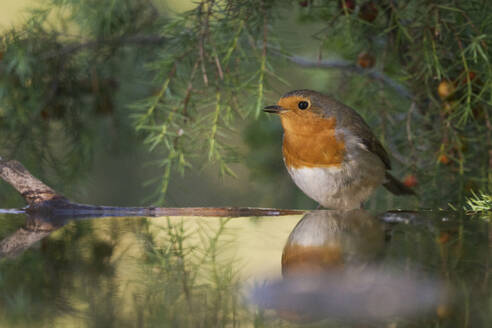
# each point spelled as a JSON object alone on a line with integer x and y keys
{"x": 301, "y": 109}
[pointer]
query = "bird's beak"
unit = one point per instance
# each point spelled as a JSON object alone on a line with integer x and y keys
{"x": 274, "y": 109}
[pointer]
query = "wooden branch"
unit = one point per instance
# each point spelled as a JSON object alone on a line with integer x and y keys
{"x": 42, "y": 198}
{"x": 31, "y": 189}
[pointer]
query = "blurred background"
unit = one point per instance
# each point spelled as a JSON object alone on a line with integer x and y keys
{"x": 139, "y": 102}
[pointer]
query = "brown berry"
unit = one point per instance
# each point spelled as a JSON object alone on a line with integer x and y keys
{"x": 478, "y": 113}
{"x": 1, "y": 55}
{"x": 347, "y": 5}
{"x": 365, "y": 60}
{"x": 410, "y": 181}
{"x": 475, "y": 81}
{"x": 45, "y": 115}
{"x": 443, "y": 237}
{"x": 443, "y": 311}
{"x": 368, "y": 11}
{"x": 304, "y": 3}
{"x": 445, "y": 89}
{"x": 471, "y": 74}
{"x": 443, "y": 159}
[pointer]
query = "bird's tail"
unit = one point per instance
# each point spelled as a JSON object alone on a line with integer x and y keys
{"x": 396, "y": 187}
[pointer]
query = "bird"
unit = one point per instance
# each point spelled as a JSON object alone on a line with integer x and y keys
{"x": 324, "y": 241}
{"x": 330, "y": 152}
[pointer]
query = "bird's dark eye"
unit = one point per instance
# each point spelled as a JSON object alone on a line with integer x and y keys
{"x": 303, "y": 105}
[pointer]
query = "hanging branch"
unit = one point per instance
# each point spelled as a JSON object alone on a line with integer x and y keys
{"x": 189, "y": 89}
{"x": 203, "y": 36}
{"x": 350, "y": 67}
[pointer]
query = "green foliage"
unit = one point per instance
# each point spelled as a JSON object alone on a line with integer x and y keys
{"x": 441, "y": 137}
{"x": 52, "y": 272}
{"x": 480, "y": 203}
{"x": 63, "y": 84}
{"x": 214, "y": 57}
{"x": 188, "y": 281}
{"x": 428, "y": 96}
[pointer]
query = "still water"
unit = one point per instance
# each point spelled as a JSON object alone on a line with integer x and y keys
{"x": 324, "y": 268}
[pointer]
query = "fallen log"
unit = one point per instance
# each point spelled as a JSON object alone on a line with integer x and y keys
{"x": 42, "y": 198}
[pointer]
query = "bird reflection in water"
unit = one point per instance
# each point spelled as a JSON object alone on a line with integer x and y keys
{"x": 331, "y": 271}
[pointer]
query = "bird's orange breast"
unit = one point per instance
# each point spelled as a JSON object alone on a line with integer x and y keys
{"x": 311, "y": 259}
{"x": 310, "y": 141}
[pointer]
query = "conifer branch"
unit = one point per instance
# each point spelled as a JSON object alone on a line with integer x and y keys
{"x": 350, "y": 67}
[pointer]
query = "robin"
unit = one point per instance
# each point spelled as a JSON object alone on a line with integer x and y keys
{"x": 330, "y": 151}
{"x": 323, "y": 241}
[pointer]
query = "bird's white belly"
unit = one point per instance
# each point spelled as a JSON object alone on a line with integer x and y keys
{"x": 343, "y": 187}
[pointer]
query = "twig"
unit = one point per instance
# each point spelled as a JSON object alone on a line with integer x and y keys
{"x": 203, "y": 34}
{"x": 489, "y": 136}
{"x": 234, "y": 43}
{"x": 202, "y": 63}
{"x": 217, "y": 63}
{"x": 150, "y": 111}
{"x": 215, "y": 122}
{"x": 409, "y": 124}
{"x": 350, "y": 67}
{"x": 189, "y": 88}
{"x": 464, "y": 14}
{"x": 219, "y": 67}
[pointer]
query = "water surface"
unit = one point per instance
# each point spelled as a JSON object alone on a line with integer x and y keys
{"x": 427, "y": 269}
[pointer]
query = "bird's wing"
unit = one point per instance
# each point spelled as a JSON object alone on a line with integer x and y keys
{"x": 374, "y": 146}
{"x": 355, "y": 124}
